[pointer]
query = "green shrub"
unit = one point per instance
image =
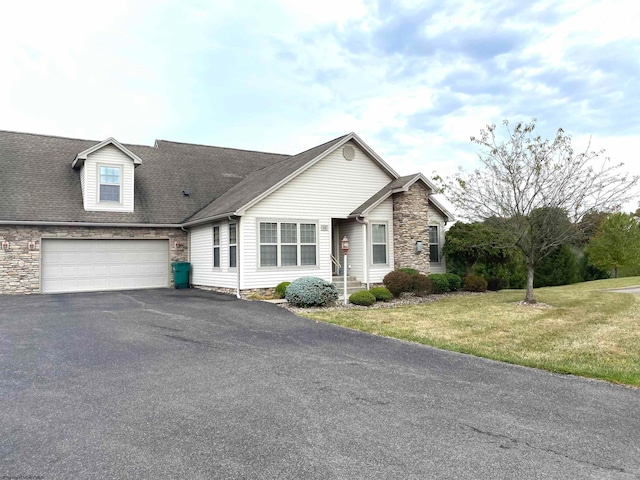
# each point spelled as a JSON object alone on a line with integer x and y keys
{"x": 455, "y": 282}
{"x": 311, "y": 291}
{"x": 496, "y": 283}
{"x": 474, "y": 283}
{"x": 407, "y": 270}
{"x": 382, "y": 294}
{"x": 281, "y": 289}
{"x": 363, "y": 298}
{"x": 440, "y": 283}
{"x": 561, "y": 267}
{"x": 421, "y": 285}
{"x": 397, "y": 282}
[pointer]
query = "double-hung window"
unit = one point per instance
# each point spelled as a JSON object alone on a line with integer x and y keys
{"x": 216, "y": 246}
{"x": 434, "y": 244}
{"x": 110, "y": 183}
{"x": 233, "y": 245}
{"x": 268, "y": 244}
{"x": 288, "y": 244}
{"x": 379, "y": 243}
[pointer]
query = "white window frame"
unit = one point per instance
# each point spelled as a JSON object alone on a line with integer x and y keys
{"x": 216, "y": 246}
{"x": 279, "y": 244}
{"x": 233, "y": 245}
{"x": 386, "y": 243}
{"x": 120, "y": 185}
{"x": 436, "y": 243}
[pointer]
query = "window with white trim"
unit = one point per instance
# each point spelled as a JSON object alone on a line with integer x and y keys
{"x": 288, "y": 244}
{"x": 434, "y": 244}
{"x": 110, "y": 184}
{"x": 216, "y": 246}
{"x": 379, "y": 243}
{"x": 233, "y": 245}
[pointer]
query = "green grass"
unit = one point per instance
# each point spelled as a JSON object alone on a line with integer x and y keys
{"x": 587, "y": 330}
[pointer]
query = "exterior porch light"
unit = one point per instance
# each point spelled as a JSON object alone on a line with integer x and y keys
{"x": 5, "y": 245}
{"x": 418, "y": 247}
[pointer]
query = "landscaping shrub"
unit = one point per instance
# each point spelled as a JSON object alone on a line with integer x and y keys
{"x": 281, "y": 289}
{"x": 397, "y": 282}
{"x": 455, "y": 282}
{"x": 382, "y": 294}
{"x": 496, "y": 283}
{"x": 311, "y": 291}
{"x": 407, "y": 270}
{"x": 363, "y": 298}
{"x": 474, "y": 283}
{"x": 440, "y": 283}
{"x": 421, "y": 285}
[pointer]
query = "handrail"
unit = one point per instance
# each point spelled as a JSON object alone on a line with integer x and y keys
{"x": 335, "y": 261}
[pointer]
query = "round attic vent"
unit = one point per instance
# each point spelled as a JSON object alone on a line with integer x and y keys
{"x": 349, "y": 152}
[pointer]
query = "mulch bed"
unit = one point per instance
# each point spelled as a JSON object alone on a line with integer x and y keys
{"x": 405, "y": 299}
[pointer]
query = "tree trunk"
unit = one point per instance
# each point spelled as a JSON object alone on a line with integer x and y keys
{"x": 615, "y": 272}
{"x": 529, "y": 295}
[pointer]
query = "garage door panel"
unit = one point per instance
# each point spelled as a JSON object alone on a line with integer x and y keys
{"x": 89, "y": 265}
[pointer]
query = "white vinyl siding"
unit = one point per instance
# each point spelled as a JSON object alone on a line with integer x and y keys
{"x": 383, "y": 213}
{"x": 201, "y": 258}
{"x": 437, "y": 220}
{"x": 355, "y": 232}
{"x": 85, "y": 265}
{"x": 332, "y": 188}
{"x": 108, "y": 156}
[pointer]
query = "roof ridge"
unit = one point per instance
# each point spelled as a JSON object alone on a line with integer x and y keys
{"x": 223, "y": 148}
{"x": 72, "y": 138}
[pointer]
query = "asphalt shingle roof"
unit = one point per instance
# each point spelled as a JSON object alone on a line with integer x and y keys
{"x": 37, "y": 182}
{"x": 383, "y": 192}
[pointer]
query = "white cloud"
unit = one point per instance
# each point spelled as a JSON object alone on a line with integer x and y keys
{"x": 286, "y": 75}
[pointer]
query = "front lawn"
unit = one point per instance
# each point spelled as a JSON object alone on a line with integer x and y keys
{"x": 585, "y": 330}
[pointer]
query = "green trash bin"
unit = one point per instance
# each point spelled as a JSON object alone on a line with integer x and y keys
{"x": 180, "y": 274}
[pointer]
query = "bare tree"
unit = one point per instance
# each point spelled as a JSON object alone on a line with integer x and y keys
{"x": 536, "y": 192}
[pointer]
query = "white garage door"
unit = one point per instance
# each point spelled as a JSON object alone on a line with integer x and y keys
{"x": 93, "y": 265}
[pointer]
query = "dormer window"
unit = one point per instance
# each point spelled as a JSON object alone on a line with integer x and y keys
{"x": 110, "y": 183}
{"x": 107, "y": 177}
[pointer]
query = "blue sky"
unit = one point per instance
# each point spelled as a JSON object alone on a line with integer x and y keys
{"x": 415, "y": 79}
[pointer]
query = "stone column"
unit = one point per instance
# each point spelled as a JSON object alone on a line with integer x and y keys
{"x": 410, "y": 224}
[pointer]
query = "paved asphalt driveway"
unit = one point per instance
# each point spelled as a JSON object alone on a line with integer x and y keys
{"x": 189, "y": 384}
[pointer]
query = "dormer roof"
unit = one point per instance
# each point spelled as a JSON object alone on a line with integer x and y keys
{"x": 82, "y": 156}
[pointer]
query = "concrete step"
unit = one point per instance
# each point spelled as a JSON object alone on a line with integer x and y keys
{"x": 340, "y": 278}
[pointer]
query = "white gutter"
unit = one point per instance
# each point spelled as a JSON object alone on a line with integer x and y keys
{"x": 209, "y": 219}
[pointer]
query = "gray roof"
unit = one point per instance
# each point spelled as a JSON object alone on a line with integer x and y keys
{"x": 401, "y": 184}
{"x": 383, "y": 193}
{"x": 259, "y": 182}
{"x": 38, "y": 184}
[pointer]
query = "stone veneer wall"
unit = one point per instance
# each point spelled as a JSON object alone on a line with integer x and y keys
{"x": 20, "y": 267}
{"x": 410, "y": 224}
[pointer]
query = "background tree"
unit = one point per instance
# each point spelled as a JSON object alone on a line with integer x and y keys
{"x": 466, "y": 244}
{"x": 616, "y": 243}
{"x": 530, "y": 186}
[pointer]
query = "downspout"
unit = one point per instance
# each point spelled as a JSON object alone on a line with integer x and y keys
{"x": 365, "y": 224}
{"x": 237, "y": 256}
{"x": 188, "y": 232}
